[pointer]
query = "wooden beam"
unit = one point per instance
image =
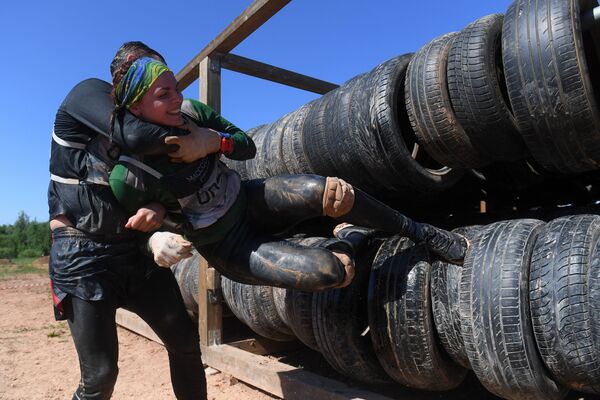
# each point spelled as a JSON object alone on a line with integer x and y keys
{"x": 210, "y": 311}
{"x": 263, "y": 346}
{"x": 134, "y": 323}
{"x": 280, "y": 379}
{"x": 247, "y": 22}
{"x": 265, "y": 373}
{"x": 210, "y": 82}
{"x": 265, "y": 71}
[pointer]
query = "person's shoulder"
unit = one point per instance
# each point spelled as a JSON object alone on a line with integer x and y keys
{"x": 92, "y": 84}
{"x": 88, "y": 90}
{"x": 196, "y": 109}
{"x": 194, "y": 104}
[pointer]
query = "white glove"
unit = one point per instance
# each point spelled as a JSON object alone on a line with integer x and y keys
{"x": 169, "y": 248}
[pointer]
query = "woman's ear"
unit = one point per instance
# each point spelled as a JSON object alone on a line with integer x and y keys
{"x": 135, "y": 109}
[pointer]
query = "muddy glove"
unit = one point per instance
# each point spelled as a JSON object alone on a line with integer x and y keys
{"x": 198, "y": 144}
{"x": 169, "y": 248}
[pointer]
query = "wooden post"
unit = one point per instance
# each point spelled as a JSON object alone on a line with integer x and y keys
{"x": 210, "y": 82}
{"x": 210, "y": 310}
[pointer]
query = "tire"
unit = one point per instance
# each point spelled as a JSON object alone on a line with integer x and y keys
{"x": 269, "y": 160}
{"x": 255, "y": 307}
{"x": 340, "y": 326}
{"x": 301, "y": 319}
{"x": 412, "y": 168}
{"x": 186, "y": 275}
{"x": 314, "y": 136}
{"x": 241, "y": 167}
{"x": 232, "y": 294}
{"x": 400, "y": 319}
{"x": 430, "y": 111}
{"x": 478, "y": 91}
{"x": 339, "y": 122}
{"x": 494, "y": 310}
{"x": 445, "y": 299}
{"x": 264, "y": 313}
{"x": 298, "y": 304}
{"x": 293, "y": 151}
{"x": 282, "y": 301}
{"x": 552, "y": 76}
{"x": 565, "y": 300}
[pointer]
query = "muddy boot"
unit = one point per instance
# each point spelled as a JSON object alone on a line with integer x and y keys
{"x": 451, "y": 246}
{"x": 358, "y": 236}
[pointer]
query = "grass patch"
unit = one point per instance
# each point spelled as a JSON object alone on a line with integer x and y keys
{"x": 21, "y": 266}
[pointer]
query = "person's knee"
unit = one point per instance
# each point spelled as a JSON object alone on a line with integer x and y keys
{"x": 338, "y": 197}
{"x": 182, "y": 338}
{"x": 325, "y": 272}
{"x": 287, "y": 264}
{"x": 99, "y": 383}
{"x": 188, "y": 345}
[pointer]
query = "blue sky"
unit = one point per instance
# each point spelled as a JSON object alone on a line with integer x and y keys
{"x": 50, "y": 46}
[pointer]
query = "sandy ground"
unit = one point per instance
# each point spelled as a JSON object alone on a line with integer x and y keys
{"x": 38, "y": 359}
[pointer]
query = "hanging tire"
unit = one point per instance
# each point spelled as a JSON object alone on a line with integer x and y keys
{"x": 340, "y": 326}
{"x": 494, "y": 310}
{"x": 400, "y": 319}
{"x": 553, "y": 75}
{"x": 430, "y": 111}
{"x": 565, "y": 300}
{"x": 445, "y": 299}
{"x": 478, "y": 91}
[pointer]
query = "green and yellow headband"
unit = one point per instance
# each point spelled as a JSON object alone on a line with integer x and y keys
{"x": 138, "y": 79}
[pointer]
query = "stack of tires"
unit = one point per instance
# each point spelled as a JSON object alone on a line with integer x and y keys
{"x": 517, "y": 92}
{"x": 359, "y": 132}
{"x": 523, "y": 311}
{"x": 514, "y": 95}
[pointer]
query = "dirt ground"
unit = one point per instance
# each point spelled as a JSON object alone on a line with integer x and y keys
{"x": 38, "y": 359}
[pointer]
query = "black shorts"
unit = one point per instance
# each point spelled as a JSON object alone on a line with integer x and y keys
{"x": 95, "y": 269}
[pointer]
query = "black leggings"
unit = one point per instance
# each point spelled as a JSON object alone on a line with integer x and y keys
{"x": 252, "y": 253}
{"x": 159, "y": 303}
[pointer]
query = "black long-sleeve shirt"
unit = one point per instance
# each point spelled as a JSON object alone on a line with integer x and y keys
{"x": 82, "y": 155}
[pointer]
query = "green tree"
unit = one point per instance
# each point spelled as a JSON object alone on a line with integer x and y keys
{"x": 25, "y": 238}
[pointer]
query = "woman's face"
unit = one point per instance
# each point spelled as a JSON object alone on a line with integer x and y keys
{"x": 162, "y": 102}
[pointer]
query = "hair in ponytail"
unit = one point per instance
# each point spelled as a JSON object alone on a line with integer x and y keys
{"x": 125, "y": 56}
